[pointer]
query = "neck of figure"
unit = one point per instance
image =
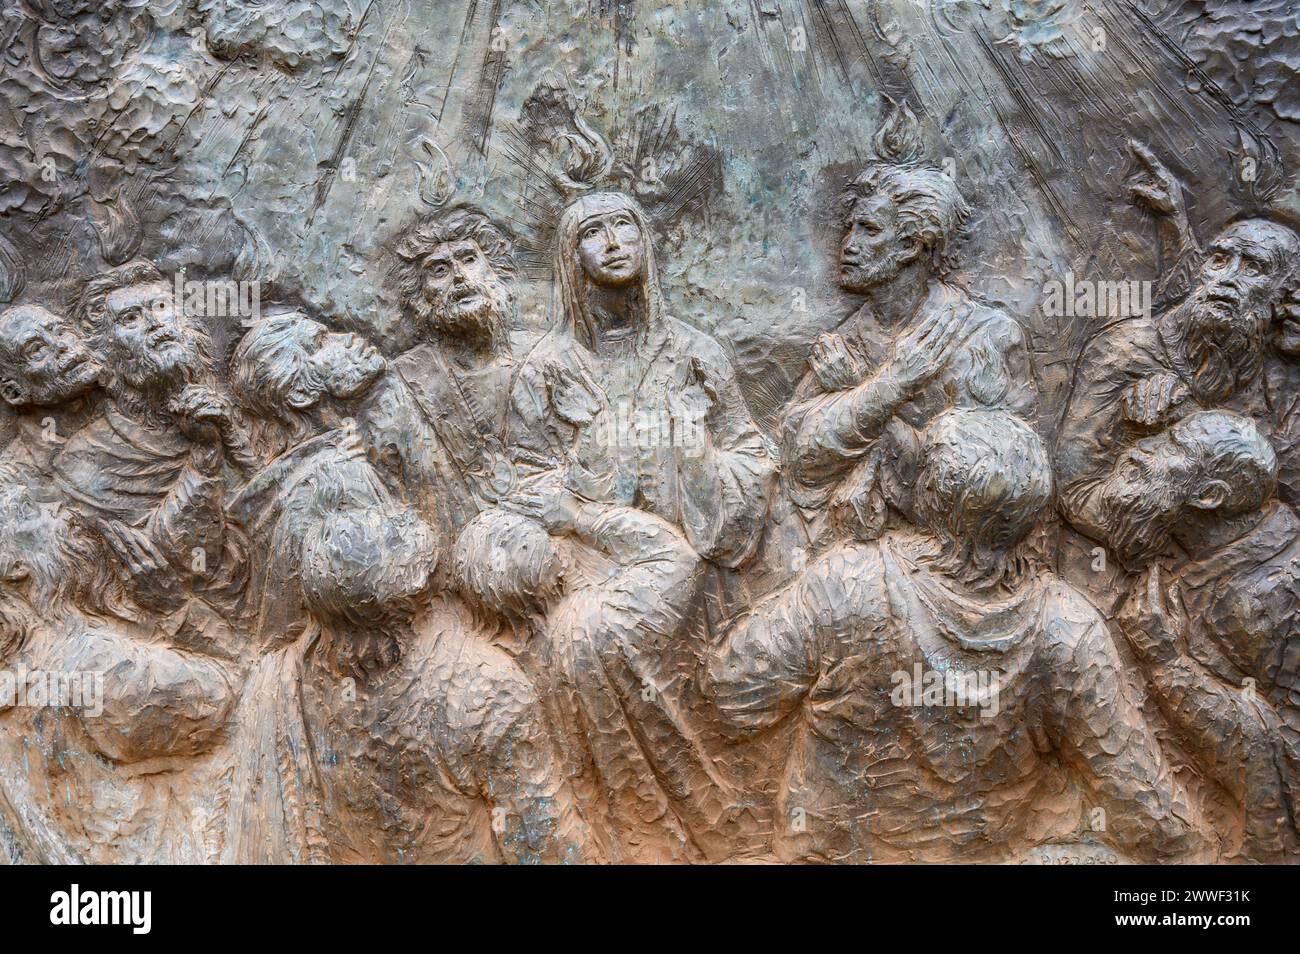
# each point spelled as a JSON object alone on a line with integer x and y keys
{"x": 469, "y": 350}
{"x": 1202, "y": 532}
{"x": 68, "y": 416}
{"x": 146, "y": 407}
{"x": 615, "y": 313}
{"x": 896, "y": 302}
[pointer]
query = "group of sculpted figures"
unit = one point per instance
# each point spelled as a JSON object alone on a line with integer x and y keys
{"x": 468, "y": 604}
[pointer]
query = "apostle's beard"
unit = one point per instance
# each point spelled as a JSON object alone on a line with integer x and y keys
{"x": 869, "y": 273}
{"x": 152, "y": 376}
{"x": 1222, "y": 345}
{"x": 1140, "y": 527}
{"x": 475, "y": 314}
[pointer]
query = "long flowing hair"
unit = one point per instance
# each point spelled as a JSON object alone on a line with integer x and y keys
{"x": 570, "y": 305}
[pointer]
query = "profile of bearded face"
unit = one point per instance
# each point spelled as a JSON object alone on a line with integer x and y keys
{"x": 44, "y": 361}
{"x": 893, "y": 216}
{"x": 1225, "y": 321}
{"x": 873, "y": 250}
{"x": 1209, "y": 462}
{"x": 457, "y": 278}
{"x": 288, "y": 363}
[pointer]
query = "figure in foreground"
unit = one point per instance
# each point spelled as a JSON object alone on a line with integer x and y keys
{"x": 1033, "y": 723}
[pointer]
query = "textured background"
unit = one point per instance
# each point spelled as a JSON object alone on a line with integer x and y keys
{"x": 287, "y": 142}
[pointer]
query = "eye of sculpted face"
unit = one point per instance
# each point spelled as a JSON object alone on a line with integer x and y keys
{"x": 870, "y": 253}
{"x": 1239, "y": 271}
{"x": 611, "y": 249}
{"x": 45, "y": 361}
{"x": 346, "y": 363}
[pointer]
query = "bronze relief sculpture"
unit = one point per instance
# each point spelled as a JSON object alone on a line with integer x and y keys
{"x": 428, "y": 439}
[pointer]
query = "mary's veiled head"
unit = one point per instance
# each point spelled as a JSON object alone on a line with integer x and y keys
{"x": 603, "y": 241}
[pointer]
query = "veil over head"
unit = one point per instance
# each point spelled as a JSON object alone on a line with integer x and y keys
{"x": 569, "y": 279}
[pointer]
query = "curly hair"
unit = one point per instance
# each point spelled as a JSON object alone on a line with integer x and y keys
{"x": 985, "y": 480}
{"x": 453, "y": 225}
{"x": 1230, "y": 448}
{"x": 931, "y": 208}
{"x": 270, "y": 362}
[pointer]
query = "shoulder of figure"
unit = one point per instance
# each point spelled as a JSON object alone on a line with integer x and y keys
{"x": 853, "y": 571}
{"x": 468, "y": 668}
{"x": 1071, "y": 623}
{"x": 1126, "y": 333}
{"x": 697, "y": 343}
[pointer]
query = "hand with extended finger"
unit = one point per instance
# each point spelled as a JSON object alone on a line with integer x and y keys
{"x": 923, "y": 353}
{"x": 575, "y": 401}
{"x": 1155, "y": 187}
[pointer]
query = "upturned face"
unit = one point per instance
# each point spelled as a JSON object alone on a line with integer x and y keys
{"x": 611, "y": 249}
{"x": 347, "y": 363}
{"x": 146, "y": 341}
{"x": 873, "y": 250}
{"x": 45, "y": 360}
{"x": 1286, "y": 337}
{"x": 1144, "y": 495}
{"x": 1241, "y": 272}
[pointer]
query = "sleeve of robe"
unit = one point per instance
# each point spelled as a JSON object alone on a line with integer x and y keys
{"x": 523, "y": 780}
{"x": 724, "y": 489}
{"x": 1100, "y": 731}
{"x": 770, "y": 658}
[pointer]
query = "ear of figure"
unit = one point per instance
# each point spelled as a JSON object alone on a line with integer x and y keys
{"x": 1210, "y": 495}
{"x": 13, "y": 392}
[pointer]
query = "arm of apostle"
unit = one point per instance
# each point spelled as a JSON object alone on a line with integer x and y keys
{"x": 155, "y": 701}
{"x": 1236, "y": 736}
{"x": 1098, "y": 728}
{"x": 769, "y": 659}
{"x": 829, "y": 433}
{"x": 1086, "y": 447}
{"x": 1021, "y": 397}
{"x": 724, "y": 466}
{"x": 535, "y": 814}
{"x": 190, "y": 516}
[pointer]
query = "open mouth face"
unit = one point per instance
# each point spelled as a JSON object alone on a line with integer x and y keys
{"x": 467, "y": 298}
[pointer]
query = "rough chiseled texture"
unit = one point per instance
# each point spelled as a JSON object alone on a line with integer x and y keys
{"x": 649, "y": 432}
